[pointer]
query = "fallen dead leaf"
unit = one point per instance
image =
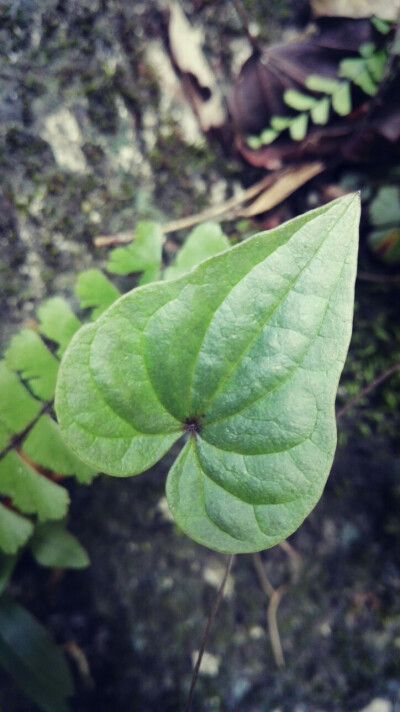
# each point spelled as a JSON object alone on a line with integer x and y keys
{"x": 283, "y": 186}
{"x": 198, "y": 80}
{"x": 370, "y": 130}
{"x": 230, "y": 207}
{"x": 258, "y": 91}
{"x": 268, "y": 192}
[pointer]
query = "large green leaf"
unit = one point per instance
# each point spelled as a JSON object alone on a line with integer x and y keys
{"x": 242, "y": 357}
{"x": 33, "y": 660}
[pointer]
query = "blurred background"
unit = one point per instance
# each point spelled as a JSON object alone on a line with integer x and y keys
{"x": 114, "y": 112}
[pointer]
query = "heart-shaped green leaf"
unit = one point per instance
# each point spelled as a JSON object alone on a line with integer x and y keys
{"x": 241, "y": 357}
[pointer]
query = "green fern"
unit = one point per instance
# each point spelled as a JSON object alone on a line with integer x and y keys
{"x": 33, "y": 457}
{"x": 329, "y": 95}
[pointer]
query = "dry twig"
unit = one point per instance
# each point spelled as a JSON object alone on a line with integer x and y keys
{"x": 275, "y": 596}
{"x": 268, "y": 192}
{"x": 210, "y": 620}
{"x": 228, "y": 206}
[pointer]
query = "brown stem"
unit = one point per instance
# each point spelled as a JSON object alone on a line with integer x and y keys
{"x": 272, "y": 620}
{"x": 265, "y": 584}
{"x": 274, "y": 596}
{"x": 369, "y": 387}
{"x": 210, "y": 621}
{"x": 380, "y": 278}
{"x": 294, "y": 558}
{"x": 246, "y": 25}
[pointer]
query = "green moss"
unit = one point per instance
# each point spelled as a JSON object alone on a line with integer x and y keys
{"x": 375, "y": 347}
{"x": 102, "y": 110}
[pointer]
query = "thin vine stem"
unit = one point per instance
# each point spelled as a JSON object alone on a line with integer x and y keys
{"x": 379, "y": 278}
{"x": 207, "y": 629}
{"x": 246, "y": 26}
{"x": 369, "y": 387}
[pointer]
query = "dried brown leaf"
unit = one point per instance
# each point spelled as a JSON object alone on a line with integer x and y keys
{"x": 369, "y": 131}
{"x": 259, "y": 89}
{"x": 283, "y": 186}
{"x": 198, "y": 80}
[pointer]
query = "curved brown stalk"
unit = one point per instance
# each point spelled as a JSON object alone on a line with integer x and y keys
{"x": 275, "y": 596}
{"x": 210, "y": 621}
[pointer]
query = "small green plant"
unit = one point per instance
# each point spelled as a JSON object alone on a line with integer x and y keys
{"x": 33, "y": 455}
{"x": 241, "y": 359}
{"x": 33, "y": 502}
{"x": 328, "y": 95}
{"x": 34, "y": 459}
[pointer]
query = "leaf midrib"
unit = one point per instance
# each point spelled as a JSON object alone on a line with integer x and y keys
{"x": 290, "y": 374}
{"x": 256, "y": 336}
{"x": 235, "y": 364}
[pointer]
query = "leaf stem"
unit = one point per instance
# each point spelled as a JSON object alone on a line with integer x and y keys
{"x": 246, "y": 26}
{"x": 369, "y": 387}
{"x": 207, "y": 629}
{"x": 275, "y": 596}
